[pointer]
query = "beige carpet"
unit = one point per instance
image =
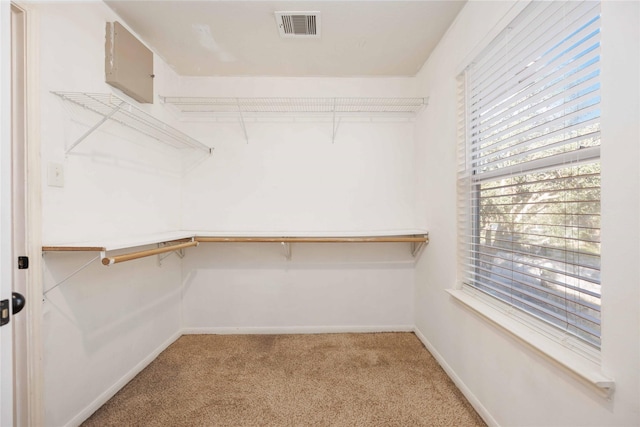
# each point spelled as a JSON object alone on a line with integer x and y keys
{"x": 385, "y": 379}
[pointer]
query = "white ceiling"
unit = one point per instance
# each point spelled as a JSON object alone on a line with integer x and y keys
{"x": 240, "y": 38}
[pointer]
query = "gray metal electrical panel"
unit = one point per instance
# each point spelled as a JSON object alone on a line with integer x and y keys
{"x": 128, "y": 64}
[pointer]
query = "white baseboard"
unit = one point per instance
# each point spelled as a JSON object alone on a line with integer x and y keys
{"x": 473, "y": 400}
{"x": 111, "y": 391}
{"x": 241, "y": 330}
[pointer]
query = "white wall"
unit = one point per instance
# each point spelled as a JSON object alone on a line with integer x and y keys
{"x": 323, "y": 288}
{"x": 514, "y": 385}
{"x": 290, "y": 176}
{"x": 101, "y": 328}
{"x": 105, "y": 323}
{"x": 117, "y": 182}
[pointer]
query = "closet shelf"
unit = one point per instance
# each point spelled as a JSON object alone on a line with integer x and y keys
{"x": 179, "y": 240}
{"x": 114, "y": 108}
{"x": 295, "y": 105}
{"x": 336, "y": 107}
{"x": 117, "y": 244}
{"x": 285, "y": 239}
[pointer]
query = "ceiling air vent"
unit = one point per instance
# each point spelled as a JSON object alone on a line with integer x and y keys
{"x": 298, "y": 24}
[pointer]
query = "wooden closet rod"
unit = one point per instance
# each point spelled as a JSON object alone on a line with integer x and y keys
{"x": 417, "y": 238}
{"x": 149, "y": 252}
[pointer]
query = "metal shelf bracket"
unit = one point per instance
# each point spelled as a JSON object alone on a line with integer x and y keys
{"x": 242, "y": 123}
{"x": 93, "y": 128}
{"x": 287, "y": 250}
{"x": 416, "y": 248}
{"x": 87, "y": 264}
{"x": 179, "y": 252}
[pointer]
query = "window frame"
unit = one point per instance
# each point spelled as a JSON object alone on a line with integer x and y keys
{"x": 559, "y": 346}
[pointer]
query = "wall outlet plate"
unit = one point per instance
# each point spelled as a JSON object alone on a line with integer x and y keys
{"x": 55, "y": 175}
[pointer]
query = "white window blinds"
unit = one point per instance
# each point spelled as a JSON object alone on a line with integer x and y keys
{"x": 529, "y": 176}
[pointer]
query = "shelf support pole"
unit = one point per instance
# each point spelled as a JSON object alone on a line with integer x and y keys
{"x": 94, "y": 127}
{"x": 244, "y": 127}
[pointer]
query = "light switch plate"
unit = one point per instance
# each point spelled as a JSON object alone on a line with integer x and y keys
{"x": 55, "y": 175}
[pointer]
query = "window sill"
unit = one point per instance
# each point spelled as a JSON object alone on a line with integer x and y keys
{"x": 586, "y": 370}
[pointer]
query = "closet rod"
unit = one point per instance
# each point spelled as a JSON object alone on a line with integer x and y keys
{"x": 149, "y": 252}
{"x": 417, "y": 238}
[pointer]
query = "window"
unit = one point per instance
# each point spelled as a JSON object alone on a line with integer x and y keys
{"x": 529, "y": 176}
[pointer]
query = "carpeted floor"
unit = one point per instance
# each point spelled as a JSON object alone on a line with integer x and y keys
{"x": 385, "y": 379}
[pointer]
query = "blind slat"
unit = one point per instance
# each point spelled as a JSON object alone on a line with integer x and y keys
{"x": 475, "y": 254}
{"x": 576, "y": 262}
{"x": 523, "y": 156}
{"x": 535, "y": 296}
{"x": 549, "y": 91}
{"x": 554, "y": 115}
{"x": 528, "y": 26}
{"x": 496, "y": 284}
{"x": 493, "y": 270}
{"x": 545, "y": 125}
{"x": 569, "y": 317}
{"x": 584, "y": 43}
{"x": 540, "y": 165}
{"x": 544, "y": 42}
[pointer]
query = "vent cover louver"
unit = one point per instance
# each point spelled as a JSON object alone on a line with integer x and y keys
{"x": 298, "y": 24}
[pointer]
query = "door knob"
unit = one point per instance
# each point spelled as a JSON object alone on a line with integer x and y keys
{"x": 18, "y": 302}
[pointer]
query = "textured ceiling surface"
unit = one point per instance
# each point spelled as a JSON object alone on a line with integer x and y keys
{"x": 241, "y": 38}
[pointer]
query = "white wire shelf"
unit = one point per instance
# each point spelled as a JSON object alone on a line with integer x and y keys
{"x": 112, "y": 107}
{"x": 295, "y": 105}
{"x": 336, "y": 107}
